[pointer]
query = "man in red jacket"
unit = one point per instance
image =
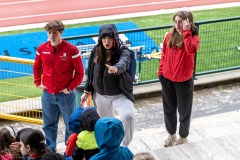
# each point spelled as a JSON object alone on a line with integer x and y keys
{"x": 62, "y": 69}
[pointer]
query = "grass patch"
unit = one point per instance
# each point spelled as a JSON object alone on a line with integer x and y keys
{"x": 214, "y": 52}
{"x": 18, "y": 88}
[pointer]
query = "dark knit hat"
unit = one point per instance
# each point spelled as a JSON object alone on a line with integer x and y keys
{"x": 89, "y": 118}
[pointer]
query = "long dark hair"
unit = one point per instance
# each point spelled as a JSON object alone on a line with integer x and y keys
{"x": 102, "y": 55}
{"x": 176, "y": 39}
{"x": 6, "y": 139}
{"x": 35, "y": 139}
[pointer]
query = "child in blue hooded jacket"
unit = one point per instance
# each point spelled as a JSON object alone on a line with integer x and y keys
{"x": 109, "y": 133}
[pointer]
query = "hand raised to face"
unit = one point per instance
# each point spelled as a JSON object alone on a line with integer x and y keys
{"x": 186, "y": 24}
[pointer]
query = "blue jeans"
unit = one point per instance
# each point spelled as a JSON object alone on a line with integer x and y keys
{"x": 52, "y": 106}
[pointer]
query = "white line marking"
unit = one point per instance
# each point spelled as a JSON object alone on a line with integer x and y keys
{"x": 95, "y": 9}
{"x": 120, "y": 16}
{"x": 2, "y": 4}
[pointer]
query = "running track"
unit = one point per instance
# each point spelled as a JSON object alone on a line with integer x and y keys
{"x": 20, "y": 12}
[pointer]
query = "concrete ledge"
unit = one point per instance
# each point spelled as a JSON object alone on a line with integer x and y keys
{"x": 215, "y": 79}
{"x": 205, "y": 81}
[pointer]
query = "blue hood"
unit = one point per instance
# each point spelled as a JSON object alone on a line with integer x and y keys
{"x": 74, "y": 120}
{"x": 109, "y": 133}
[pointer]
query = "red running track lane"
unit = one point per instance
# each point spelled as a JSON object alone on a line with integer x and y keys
{"x": 20, "y": 12}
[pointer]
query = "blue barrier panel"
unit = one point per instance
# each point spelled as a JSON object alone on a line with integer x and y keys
{"x": 25, "y": 45}
{"x": 13, "y": 70}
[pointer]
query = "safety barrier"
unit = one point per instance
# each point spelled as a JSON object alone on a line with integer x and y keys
{"x": 19, "y": 98}
{"x": 219, "y": 51}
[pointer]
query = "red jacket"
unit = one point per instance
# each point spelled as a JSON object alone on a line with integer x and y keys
{"x": 177, "y": 64}
{"x": 7, "y": 156}
{"x": 62, "y": 69}
{"x": 71, "y": 144}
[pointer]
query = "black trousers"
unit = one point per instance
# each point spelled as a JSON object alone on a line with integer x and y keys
{"x": 177, "y": 96}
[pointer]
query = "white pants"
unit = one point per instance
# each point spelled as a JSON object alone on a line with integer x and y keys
{"x": 106, "y": 107}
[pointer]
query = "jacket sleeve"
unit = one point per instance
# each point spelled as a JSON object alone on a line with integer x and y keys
{"x": 124, "y": 61}
{"x": 37, "y": 69}
{"x": 160, "y": 69}
{"x": 87, "y": 86}
{"x": 191, "y": 43}
{"x": 71, "y": 144}
{"x": 78, "y": 69}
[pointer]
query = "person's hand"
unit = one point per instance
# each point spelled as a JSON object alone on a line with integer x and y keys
{"x": 84, "y": 97}
{"x": 15, "y": 146}
{"x": 65, "y": 91}
{"x": 42, "y": 87}
{"x": 186, "y": 24}
{"x": 111, "y": 69}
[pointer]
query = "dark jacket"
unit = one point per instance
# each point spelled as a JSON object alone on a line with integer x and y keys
{"x": 109, "y": 133}
{"x": 110, "y": 84}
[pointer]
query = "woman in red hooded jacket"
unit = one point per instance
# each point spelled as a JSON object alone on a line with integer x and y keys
{"x": 175, "y": 74}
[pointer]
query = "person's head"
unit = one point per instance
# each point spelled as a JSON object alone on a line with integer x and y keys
{"x": 17, "y": 139}
{"x": 176, "y": 39}
{"x": 32, "y": 142}
{"x": 108, "y": 36}
{"x": 52, "y": 156}
{"x": 7, "y": 136}
{"x": 89, "y": 118}
{"x": 179, "y": 17}
{"x": 143, "y": 156}
{"x": 54, "y": 29}
{"x": 108, "y": 40}
{"x": 74, "y": 120}
{"x": 109, "y": 133}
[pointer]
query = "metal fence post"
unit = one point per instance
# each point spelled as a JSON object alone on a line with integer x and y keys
{"x": 195, "y": 58}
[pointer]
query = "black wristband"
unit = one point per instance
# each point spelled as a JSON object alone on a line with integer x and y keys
{"x": 86, "y": 92}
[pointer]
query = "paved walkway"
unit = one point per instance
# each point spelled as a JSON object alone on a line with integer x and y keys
{"x": 211, "y": 137}
{"x": 215, "y": 125}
